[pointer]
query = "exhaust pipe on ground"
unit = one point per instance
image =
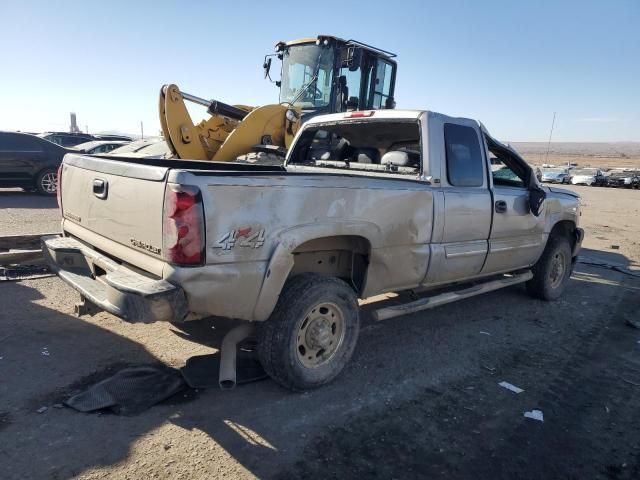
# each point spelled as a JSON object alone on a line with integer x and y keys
{"x": 228, "y": 354}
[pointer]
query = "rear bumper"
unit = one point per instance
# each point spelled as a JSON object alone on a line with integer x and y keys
{"x": 130, "y": 295}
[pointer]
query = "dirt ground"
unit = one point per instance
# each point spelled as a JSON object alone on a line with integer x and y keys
{"x": 420, "y": 398}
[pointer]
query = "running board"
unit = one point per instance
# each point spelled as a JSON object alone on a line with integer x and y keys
{"x": 448, "y": 297}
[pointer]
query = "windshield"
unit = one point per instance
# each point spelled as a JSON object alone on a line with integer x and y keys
{"x": 299, "y": 65}
{"x": 583, "y": 171}
{"x": 553, "y": 170}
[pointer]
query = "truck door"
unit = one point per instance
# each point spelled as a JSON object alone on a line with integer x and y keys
{"x": 516, "y": 239}
{"x": 460, "y": 248}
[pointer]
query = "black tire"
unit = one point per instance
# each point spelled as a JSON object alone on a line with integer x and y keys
{"x": 552, "y": 271}
{"x": 44, "y": 185}
{"x": 299, "y": 323}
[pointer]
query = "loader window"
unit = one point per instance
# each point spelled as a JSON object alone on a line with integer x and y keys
{"x": 300, "y": 65}
{"x": 381, "y": 84}
{"x": 387, "y": 147}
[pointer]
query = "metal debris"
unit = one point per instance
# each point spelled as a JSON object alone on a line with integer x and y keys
{"x": 535, "y": 415}
{"x": 511, "y": 387}
{"x": 24, "y": 272}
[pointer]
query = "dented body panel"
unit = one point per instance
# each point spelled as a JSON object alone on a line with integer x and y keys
{"x": 381, "y": 231}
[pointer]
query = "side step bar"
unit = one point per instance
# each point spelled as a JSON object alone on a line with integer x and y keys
{"x": 448, "y": 297}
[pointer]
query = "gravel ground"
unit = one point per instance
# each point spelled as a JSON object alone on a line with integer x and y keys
{"x": 24, "y": 213}
{"x": 419, "y": 400}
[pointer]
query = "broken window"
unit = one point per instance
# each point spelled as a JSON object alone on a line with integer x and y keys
{"x": 361, "y": 145}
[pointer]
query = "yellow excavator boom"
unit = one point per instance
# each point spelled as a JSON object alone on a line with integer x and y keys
{"x": 231, "y": 131}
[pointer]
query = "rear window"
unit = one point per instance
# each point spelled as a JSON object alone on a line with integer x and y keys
{"x": 464, "y": 157}
{"x": 380, "y": 146}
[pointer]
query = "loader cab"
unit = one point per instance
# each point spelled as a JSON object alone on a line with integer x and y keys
{"x": 329, "y": 75}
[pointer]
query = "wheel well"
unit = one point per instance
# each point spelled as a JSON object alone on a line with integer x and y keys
{"x": 564, "y": 228}
{"x": 344, "y": 256}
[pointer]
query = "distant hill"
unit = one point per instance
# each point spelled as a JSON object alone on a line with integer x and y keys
{"x": 587, "y": 149}
{"x": 595, "y": 154}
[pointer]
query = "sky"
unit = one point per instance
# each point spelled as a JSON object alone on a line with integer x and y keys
{"x": 510, "y": 64}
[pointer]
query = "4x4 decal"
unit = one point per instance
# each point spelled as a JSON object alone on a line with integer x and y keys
{"x": 242, "y": 237}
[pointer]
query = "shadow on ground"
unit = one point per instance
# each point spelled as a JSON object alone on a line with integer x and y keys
{"x": 420, "y": 397}
{"x": 16, "y": 198}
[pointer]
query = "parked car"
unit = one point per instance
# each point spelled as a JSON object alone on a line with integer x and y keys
{"x": 66, "y": 139}
{"x": 363, "y": 205}
{"x": 105, "y": 136}
{"x": 30, "y": 162}
{"x": 99, "y": 146}
{"x": 588, "y": 176}
{"x": 555, "y": 175}
{"x": 625, "y": 178}
{"x": 156, "y": 148}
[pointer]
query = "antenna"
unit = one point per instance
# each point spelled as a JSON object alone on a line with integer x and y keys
{"x": 553, "y": 122}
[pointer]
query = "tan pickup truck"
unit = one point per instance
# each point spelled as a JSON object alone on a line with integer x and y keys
{"x": 366, "y": 203}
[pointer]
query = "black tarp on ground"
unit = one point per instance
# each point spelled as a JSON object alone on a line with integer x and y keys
{"x": 130, "y": 391}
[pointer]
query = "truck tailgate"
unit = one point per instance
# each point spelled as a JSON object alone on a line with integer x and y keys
{"x": 120, "y": 202}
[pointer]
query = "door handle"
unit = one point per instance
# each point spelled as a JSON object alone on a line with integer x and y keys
{"x": 100, "y": 188}
{"x": 501, "y": 206}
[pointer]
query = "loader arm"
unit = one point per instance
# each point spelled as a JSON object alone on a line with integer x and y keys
{"x": 230, "y": 131}
{"x": 184, "y": 138}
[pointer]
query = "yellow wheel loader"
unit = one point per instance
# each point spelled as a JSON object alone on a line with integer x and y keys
{"x": 319, "y": 75}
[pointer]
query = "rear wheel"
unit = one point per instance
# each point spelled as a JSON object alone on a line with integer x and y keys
{"x": 311, "y": 333}
{"x": 47, "y": 182}
{"x": 552, "y": 271}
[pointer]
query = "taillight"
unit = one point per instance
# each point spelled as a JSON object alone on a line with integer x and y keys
{"x": 59, "y": 187}
{"x": 183, "y": 230}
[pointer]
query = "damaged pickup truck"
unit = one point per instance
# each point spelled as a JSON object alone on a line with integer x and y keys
{"x": 366, "y": 203}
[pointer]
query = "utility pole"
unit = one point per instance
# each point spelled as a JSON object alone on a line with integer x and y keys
{"x": 546, "y": 158}
{"x": 142, "y": 130}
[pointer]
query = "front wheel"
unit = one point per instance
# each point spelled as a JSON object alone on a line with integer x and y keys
{"x": 311, "y": 333}
{"x": 552, "y": 271}
{"x": 47, "y": 182}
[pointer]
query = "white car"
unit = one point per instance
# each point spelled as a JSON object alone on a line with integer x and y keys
{"x": 555, "y": 175}
{"x": 587, "y": 176}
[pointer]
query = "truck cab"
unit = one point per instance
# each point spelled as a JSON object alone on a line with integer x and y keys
{"x": 489, "y": 214}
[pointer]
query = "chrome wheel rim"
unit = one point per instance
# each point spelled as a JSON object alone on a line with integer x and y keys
{"x": 49, "y": 182}
{"x": 558, "y": 268}
{"x": 320, "y": 335}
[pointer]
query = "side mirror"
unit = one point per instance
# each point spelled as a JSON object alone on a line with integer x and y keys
{"x": 390, "y": 103}
{"x": 267, "y": 67}
{"x": 351, "y": 58}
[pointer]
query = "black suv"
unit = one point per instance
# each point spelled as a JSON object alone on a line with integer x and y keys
{"x": 66, "y": 139}
{"x": 29, "y": 162}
